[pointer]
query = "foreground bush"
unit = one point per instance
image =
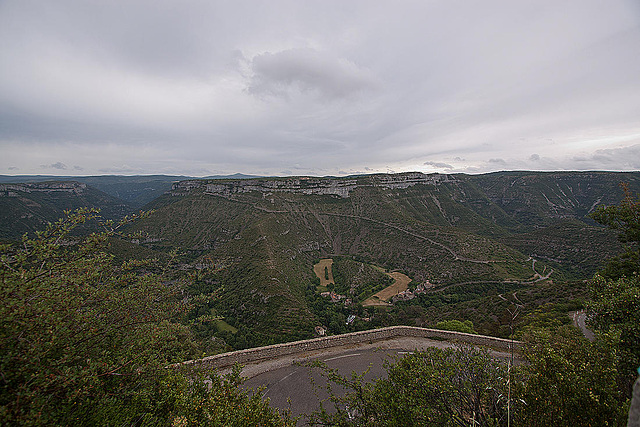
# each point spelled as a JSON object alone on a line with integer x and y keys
{"x": 84, "y": 341}
{"x": 569, "y": 381}
{"x": 461, "y": 386}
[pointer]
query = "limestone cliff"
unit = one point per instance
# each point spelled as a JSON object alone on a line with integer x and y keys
{"x": 341, "y": 187}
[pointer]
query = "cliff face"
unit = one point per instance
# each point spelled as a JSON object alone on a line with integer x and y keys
{"x": 540, "y": 198}
{"x": 515, "y": 200}
{"x": 341, "y": 187}
{"x": 26, "y": 207}
{"x": 10, "y": 190}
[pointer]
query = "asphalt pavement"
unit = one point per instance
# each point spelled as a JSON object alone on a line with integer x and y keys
{"x": 579, "y": 319}
{"x": 290, "y": 383}
{"x": 301, "y": 388}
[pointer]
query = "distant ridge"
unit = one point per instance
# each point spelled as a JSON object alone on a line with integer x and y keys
{"x": 256, "y": 240}
{"x": 261, "y": 238}
{"x": 234, "y": 176}
{"x": 38, "y": 178}
{"x": 135, "y": 190}
{"x": 30, "y": 206}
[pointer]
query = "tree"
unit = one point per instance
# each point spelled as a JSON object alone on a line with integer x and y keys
{"x": 565, "y": 380}
{"x": 568, "y": 381}
{"x": 457, "y": 387}
{"x": 465, "y": 326}
{"x": 614, "y": 308}
{"x": 614, "y": 311}
{"x": 202, "y": 399}
{"x": 625, "y": 218}
{"x": 85, "y": 341}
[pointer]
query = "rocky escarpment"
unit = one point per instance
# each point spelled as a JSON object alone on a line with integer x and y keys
{"x": 27, "y": 207}
{"x": 341, "y": 187}
{"x": 541, "y": 198}
{"x": 12, "y": 190}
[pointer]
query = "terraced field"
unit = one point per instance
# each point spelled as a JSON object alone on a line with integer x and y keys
{"x": 400, "y": 284}
{"x": 324, "y": 273}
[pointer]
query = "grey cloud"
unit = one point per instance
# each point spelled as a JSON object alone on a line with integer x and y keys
{"x": 57, "y": 165}
{"x": 120, "y": 169}
{"x": 166, "y": 38}
{"x": 330, "y": 86}
{"x": 438, "y": 165}
{"x": 624, "y": 158}
{"x": 307, "y": 70}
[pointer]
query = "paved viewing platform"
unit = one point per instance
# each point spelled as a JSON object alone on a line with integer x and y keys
{"x": 263, "y": 359}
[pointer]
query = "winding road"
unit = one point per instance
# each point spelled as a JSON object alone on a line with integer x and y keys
{"x": 580, "y": 319}
{"x": 454, "y": 254}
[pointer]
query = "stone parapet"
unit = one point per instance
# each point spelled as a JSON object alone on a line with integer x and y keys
{"x": 257, "y": 354}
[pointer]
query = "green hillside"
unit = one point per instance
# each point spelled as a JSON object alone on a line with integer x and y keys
{"x": 29, "y": 207}
{"x": 135, "y": 190}
{"x": 263, "y": 236}
{"x": 534, "y": 199}
{"x": 248, "y": 246}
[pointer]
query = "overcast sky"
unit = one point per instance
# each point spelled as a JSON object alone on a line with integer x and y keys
{"x": 202, "y": 87}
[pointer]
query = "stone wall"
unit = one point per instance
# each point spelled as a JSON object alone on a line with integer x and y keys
{"x": 299, "y": 347}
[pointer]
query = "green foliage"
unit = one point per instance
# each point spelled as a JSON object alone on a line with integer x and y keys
{"x": 565, "y": 380}
{"x": 549, "y": 316}
{"x": 625, "y": 218}
{"x": 615, "y": 311}
{"x": 198, "y": 399}
{"x": 85, "y": 341}
{"x": 569, "y": 381}
{"x": 465, "y": 326}
{"x": 461, "y": 386}
{"x": 358, "y": 279}
{"x": 482, "y": 305}
{"x": 78, "y": 330}
{"x": 615, "y": 298}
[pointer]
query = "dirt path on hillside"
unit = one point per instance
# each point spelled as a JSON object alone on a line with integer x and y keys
{"x": 454, "y": 254}
{"x": 320, "y": 268}
{"x": 401, "y": 283}
{"x": 457, "y": 257}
